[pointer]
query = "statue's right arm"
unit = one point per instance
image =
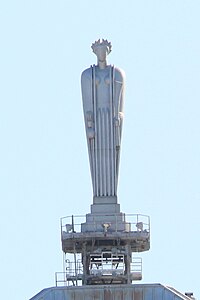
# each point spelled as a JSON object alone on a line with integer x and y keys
{"x": 86, "y": 86}
{"x": 87, "y": 96}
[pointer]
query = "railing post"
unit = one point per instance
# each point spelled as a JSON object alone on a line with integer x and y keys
{"x": 56, "y": 278}
{"x": 72, "y": 223}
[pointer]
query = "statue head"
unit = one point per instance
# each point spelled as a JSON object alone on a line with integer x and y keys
{"x": 101, "y": 48}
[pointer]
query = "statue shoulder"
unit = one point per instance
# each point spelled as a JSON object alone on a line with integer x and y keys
{"x": 86, "y": 74}
{"x": 119, "y": 74}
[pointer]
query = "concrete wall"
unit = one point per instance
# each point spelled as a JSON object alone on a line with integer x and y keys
{"x": 112, "y": 292}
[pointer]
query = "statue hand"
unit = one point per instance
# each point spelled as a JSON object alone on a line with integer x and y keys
{"x": 90, "y": 133}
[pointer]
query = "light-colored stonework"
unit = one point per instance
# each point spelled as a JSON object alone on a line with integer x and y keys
{"x": 103, "y": 97}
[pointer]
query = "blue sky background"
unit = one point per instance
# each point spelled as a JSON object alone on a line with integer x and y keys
{"x": 44, "y": 169}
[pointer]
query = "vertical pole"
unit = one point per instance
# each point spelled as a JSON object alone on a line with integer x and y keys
{"x": 64, "y": 267}
{"x": 128, "y": 263}
{"x": 75, "y": 267}
{"x": 84, "y": 261}
{"x": 73, "y": 223}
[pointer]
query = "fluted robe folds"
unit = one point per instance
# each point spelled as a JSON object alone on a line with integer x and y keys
{"x": 102, "y": 94}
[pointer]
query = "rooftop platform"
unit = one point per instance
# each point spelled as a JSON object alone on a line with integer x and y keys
{"x": 112, "y": 292}
{"x": 123, "y": 229}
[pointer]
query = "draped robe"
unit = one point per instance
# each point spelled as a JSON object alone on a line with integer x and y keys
{"x": 102, "y": 95}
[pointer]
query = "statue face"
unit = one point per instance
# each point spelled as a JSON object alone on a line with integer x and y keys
{"x": 101, "y": 53}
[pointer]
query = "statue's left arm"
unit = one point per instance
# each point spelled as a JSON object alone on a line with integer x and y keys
{"x": 119, "y": 81}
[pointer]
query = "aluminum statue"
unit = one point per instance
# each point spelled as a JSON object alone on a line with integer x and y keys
{"x": 103, "y": 97}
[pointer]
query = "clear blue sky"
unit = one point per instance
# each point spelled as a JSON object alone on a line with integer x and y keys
{"x": 44, "y": 170}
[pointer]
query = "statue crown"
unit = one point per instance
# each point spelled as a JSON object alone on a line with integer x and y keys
{"x": 99, "y": 43}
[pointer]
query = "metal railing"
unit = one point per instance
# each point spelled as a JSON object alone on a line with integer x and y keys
{"x": 74, "y": 271}
{"x": 63, "y": 279}
{"x": 136, "y": 265}
{"x": 107, "y": 263}
{"x": 138, "y": 222}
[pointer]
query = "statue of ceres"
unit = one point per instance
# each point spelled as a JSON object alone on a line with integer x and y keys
{"x": 102, "y": 93}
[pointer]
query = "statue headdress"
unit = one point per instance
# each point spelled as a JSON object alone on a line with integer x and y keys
{"x": 102, "y": 42}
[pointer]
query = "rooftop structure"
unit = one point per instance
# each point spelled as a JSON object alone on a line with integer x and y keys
{"x": 99, "y": 248}
{"x": 113, "y": 292}
{"x": 102, "y": 245}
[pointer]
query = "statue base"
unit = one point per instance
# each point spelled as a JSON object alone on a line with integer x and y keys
{"x": 105, "y": 200}
{"x": 105, "y": 216}
{"x": 106, "y": 204}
